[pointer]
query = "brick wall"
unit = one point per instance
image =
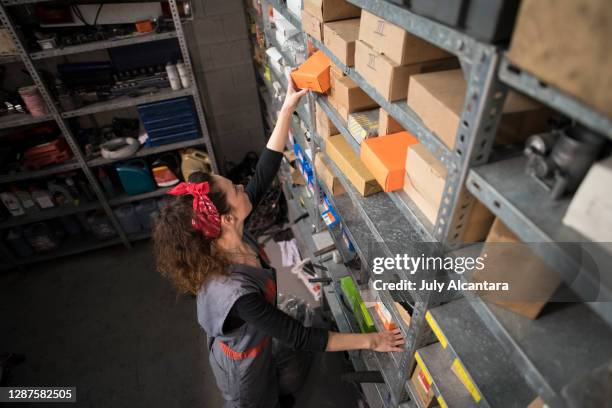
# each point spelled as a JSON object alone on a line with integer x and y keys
{"x": 221, "y": 53}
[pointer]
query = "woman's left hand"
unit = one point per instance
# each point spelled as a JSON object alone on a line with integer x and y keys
{"x": 293, "y": 96}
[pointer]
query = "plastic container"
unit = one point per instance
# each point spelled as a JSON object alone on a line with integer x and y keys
{"x": 182, "y": 71}
{"x": 128, "y": 219}
{"x": 101, "y": 227}
{"x": 43, "y": 198}
{"x": 135, "y": 177}
{"x": 18, "y": 243}
{"x": 41, "y": 237}
{"x": 193, "y": 160}
{"x": 12, "y": 204}
{"x": 25, "y": 198}
{"x": 145, "y": 210}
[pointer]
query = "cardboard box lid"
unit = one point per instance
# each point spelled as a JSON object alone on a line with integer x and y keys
{"x": 396, "y": 43}
{"x": 341, "y": 152}
{"x": 330, "y": 10}
{"x": 385, "y": 157}
{"x": 428, "y": 174}
{"x": 313, "y": 73}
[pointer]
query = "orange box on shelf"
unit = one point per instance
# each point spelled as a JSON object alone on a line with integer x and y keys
{"x": 144, "y": 26}
{"x": 313, "y": 74}
{"x": 385, "y": 316}
{"x": 385, "y": 157}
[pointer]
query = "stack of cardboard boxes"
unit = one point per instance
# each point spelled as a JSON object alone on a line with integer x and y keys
{"x": 318, "y": 12}
{"x": 386, "y": 56}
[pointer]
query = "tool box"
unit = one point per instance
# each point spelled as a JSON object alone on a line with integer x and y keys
{"x": 169, "y": 121}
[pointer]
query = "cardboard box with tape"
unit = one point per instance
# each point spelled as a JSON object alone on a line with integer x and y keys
{"x": 395, "y": 43}
{"x": 438, "y": 99}
{"x": 389, "y": 78}
{"x": 424, "y": 184}
{"x": 313, "y": 74}
{"x": 566, "y": 44}
{"x": 325, "y": 127}
{"x": 347, "y": 97}
{"x": 386, "y": 123}
{"x": 343, "y": 155}
{"x": 508, "y": 260}
{"x": 423, "y": 388}
{"x": 331, "y": 10}
{"x": 325, "y": 174}
{"x": 340, "y": 37}
{"x": 363, "y": 125}
{"x": 385, "y": 157}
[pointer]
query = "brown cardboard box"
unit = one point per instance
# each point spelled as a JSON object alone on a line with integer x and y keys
{"x": 508, "y": 259}
{"x": 566, "y": 44}
{"x": 325, "y": 127}
{"x": 389, "y": 78}
{"x": 331, "y": 10}
{"x": 424, "y": 185}
{"x": 336, "y": 70}
{"x": 343, "y": 155}
{"x": 386, "y": 123}
{"x": 397, "y": 44}
{"x": 438, "y": 98}
{"x": 344, "y": 91}
{"x": 422, "y": 387}
{"x": 325, "y": 173}
{"x": 312, "y": 26}
{"x": 340, "y": 37}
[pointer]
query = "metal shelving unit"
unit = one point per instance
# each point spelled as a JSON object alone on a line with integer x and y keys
{"x": 80, "y": 161}
{"x": 506, "y": 359}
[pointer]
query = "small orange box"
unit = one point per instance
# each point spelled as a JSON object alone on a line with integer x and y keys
{"x": 145, "y": 26}
{"x": 385, "y": 157}
{"x": 313, "y": 74}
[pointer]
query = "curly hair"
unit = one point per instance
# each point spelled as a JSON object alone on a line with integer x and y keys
{"x": 183, "y": 254}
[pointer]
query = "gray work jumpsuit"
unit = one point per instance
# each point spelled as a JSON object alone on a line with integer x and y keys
{"x": 242, "y": 359}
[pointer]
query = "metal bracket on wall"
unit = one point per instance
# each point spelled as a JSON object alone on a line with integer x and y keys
{"x": 61, "y": 123}
{"x": 178, "y": 26}
{"x": 482, "y": 109}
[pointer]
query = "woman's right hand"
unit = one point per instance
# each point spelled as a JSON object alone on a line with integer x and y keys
{"x": 391, "y": 340}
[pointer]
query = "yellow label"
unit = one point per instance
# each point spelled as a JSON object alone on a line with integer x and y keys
{"x": 436, "y": 329}
{"x": 441, "y": 402}
{"x": 465, "y": 379}
{"x": 419, "y": 360}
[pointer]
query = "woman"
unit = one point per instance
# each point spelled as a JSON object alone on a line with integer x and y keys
{"x": 200, "y": 247}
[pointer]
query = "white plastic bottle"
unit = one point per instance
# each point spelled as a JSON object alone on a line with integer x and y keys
{"x": 173, "y": 76}
{"x": 182, "y": 71}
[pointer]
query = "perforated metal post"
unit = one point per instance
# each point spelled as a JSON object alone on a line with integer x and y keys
{"x": 482, "y": 110}
{"x": 195, "y": 91}
{"x": 61, "y": 123}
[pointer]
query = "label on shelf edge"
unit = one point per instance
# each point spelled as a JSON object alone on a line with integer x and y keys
{"x": 463, "y": 376}
{"x": 421, "y": 364}
{"x": 436, "y": 329}
{"x": 441, "y": 402}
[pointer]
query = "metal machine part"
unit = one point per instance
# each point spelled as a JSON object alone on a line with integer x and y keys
{"x": 559, "y": 160}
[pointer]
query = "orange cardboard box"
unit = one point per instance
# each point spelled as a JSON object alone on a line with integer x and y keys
{"x": 385, "y": 157}
{"x": 313, "y": 74}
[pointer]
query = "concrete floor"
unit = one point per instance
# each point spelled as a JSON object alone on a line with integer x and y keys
{"x": 106, "y": 323}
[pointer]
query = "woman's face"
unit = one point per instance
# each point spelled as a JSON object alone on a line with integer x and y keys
{"x": 236, "y": 197}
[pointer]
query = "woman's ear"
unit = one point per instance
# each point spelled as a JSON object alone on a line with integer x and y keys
{"x": 227, "y": 219}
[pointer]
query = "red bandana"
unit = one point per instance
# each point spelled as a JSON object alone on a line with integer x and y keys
{"x": 206, "y": 218}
